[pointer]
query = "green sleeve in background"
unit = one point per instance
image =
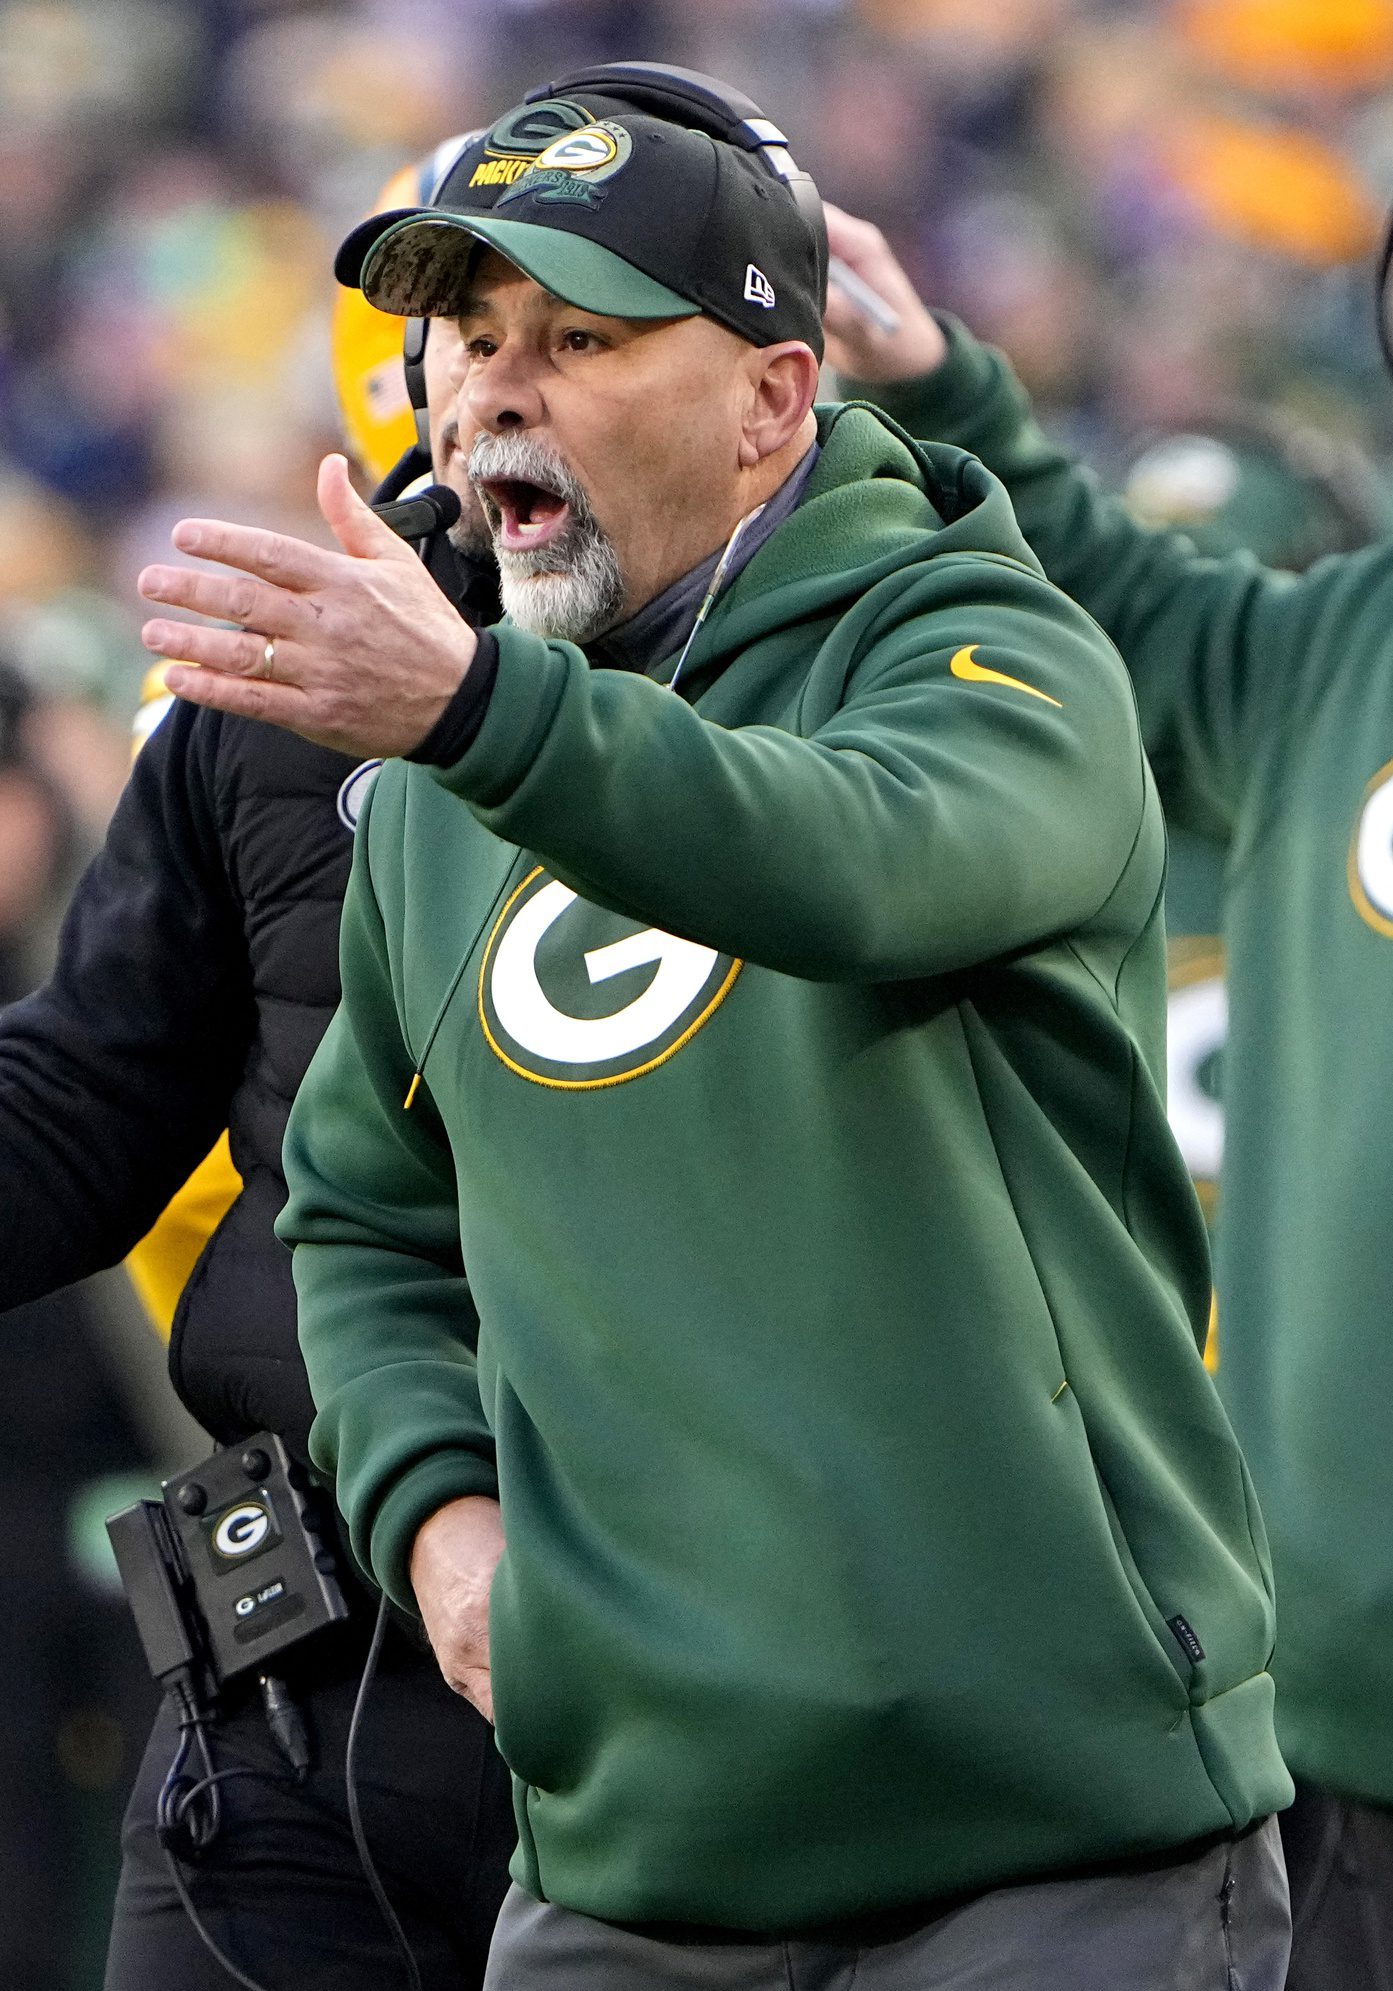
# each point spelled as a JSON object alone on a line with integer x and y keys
{"x": 1225, "y": 654}
{"x": 383, "y": 1298}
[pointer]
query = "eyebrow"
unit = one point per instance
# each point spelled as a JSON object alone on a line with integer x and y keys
{"x": 469, "y": 307}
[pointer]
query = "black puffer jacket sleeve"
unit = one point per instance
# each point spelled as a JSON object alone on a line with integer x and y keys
{"x": 116, "y": 1075}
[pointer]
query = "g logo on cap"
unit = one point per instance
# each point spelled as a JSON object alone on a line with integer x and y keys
{"x": 571, "y": 167}
{"x": 582, "y": 151}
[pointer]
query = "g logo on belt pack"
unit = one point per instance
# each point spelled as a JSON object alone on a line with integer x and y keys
{"x": 577, "y": 998}
{"x": 241, "y": 1532}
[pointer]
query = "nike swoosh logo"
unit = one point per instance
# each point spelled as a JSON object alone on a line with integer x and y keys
{"x": 963, "y": 667}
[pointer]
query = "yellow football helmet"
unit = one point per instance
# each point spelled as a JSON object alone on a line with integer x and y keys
{"x": 374, "y": 405}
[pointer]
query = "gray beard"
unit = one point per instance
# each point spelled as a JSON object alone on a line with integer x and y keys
{"x": 470, "y": 535}
{"x": 571, "y": 589}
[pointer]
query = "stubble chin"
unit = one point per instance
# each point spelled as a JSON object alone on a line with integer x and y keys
{"x": 470, "y": 534}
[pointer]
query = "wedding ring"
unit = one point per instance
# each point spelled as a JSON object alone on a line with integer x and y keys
{"x": 268, "y": 659}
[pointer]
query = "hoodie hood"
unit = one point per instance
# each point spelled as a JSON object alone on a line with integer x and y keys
{"x": 876, "y": 501}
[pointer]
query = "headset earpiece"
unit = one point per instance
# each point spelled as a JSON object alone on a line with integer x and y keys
{"x": 413, "y": 354}
{"x": 433, "y": 173}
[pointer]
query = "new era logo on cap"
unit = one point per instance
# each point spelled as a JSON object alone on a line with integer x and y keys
{"x": 758, "y": 289}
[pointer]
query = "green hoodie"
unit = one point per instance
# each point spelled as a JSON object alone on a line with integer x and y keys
{"x": 792, "y": 1058}
{"x": 1267, "y": 707}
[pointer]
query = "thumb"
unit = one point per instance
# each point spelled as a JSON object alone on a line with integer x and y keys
{"x": 355, "y": 525}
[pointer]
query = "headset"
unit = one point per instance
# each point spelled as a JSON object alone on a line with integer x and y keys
{"x": 413, "y": 345}
{"x": 682, "y": 96}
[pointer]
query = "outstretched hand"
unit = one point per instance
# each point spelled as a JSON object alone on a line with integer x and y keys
{"x": 856, "y": 348}
{"x": 368, "y": 651}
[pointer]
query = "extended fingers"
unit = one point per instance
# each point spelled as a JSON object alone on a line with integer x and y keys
{"x": 248, "y": 698}
{"x": 229, "y": 598}
{"x": 273, "y": 556}
{"x": 235, "y": 652}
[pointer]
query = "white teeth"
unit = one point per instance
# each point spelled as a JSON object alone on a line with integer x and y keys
{"x": 532, "y": 525}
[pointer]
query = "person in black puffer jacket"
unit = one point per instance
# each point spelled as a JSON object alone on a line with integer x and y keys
{"x": 197, "y": 971}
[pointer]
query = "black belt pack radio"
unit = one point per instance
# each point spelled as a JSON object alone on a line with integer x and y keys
{"x": 235, "y": 1563}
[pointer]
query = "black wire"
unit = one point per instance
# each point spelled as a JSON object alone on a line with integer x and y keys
{"x": 196, "y": 1791}
{"x": 177, "y": 1816}
{"x": 181, "y": 1889}
{"x": 355, "y": 1816}
{"x": 189, "y": 1814}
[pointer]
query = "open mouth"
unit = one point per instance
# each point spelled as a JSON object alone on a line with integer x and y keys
{"x": 522, "y": 514}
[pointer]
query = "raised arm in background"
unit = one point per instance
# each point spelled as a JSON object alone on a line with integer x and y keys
{"x": 1226, "y": 655}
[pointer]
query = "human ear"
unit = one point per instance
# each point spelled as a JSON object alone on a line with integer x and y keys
{"x": 783, "y": 386}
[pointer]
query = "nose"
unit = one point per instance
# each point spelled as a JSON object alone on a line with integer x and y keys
{"x": 504, "y": 393}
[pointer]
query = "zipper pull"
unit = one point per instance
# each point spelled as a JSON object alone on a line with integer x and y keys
{"x": 411, "y": 1091}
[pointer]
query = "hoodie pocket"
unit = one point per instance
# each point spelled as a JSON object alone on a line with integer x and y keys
{"x": 1159, "y": 1626}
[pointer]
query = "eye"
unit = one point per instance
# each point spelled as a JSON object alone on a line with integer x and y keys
{"x": 481, "y": 347}
{"x": 578, "y": 341}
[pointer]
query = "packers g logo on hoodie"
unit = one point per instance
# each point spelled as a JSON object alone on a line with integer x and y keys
{"x": 575, "y": 997}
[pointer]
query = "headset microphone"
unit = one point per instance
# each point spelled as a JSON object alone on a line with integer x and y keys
{"x": 423, "y": 514}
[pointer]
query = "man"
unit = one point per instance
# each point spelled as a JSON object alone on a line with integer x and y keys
{"x": 1268, "y": 712}
{"x": 780, "y": 1054}
{"x": 1241, "y": 478}
{"x": 197, "y": 969}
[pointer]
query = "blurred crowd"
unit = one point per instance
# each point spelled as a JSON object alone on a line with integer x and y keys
{"x": 1162, "y": 210}
{"x": 1158, "y": 208}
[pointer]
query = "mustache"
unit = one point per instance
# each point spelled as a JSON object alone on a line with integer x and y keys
{"x": 530, "y": 461}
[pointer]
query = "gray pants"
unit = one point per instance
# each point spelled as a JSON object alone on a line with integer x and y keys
{"x": 1340, "y": 1859}
{"x": 1218, "y": 1922}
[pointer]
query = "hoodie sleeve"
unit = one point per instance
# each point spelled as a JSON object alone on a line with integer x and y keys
{"x": 384, "y": 1306}
{"x": 978, "y": 786}
{"x": 1227, "y": 656}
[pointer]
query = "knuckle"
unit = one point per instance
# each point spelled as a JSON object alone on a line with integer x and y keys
{"x": 241, "y": 604}
{"x": 331, "y": 624}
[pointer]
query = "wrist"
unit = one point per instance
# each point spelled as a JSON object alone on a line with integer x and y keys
{"x": 473, "y": 1522}
{"x": 458, "y": 723}
{"x": 919, "y": 349}
{"x": 432, "y": 1486}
